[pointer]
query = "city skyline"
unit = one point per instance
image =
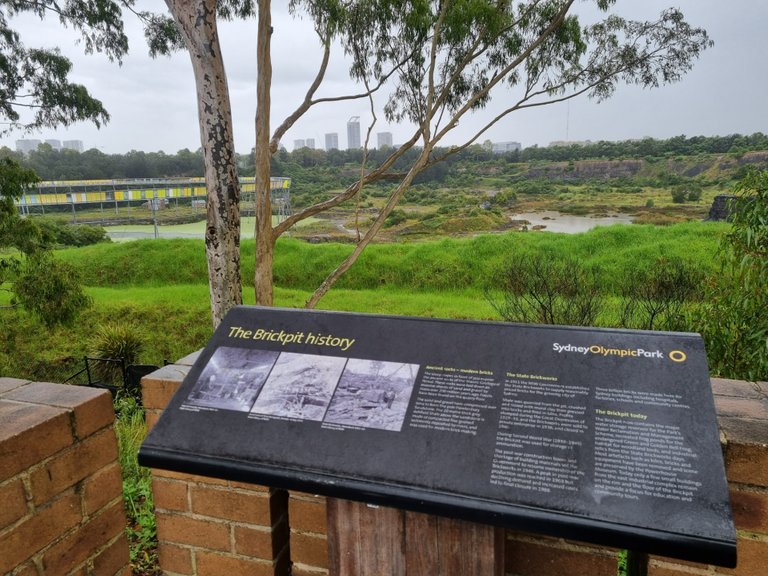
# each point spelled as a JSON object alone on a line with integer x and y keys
{"x": 146, "y": 94}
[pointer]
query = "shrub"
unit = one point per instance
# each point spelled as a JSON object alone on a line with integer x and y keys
{"x": 65, "y": 234}
{"x": 50, "y": 289}
{"x": 735, "y": 322}
{"x": 655, "y": 298}
{"x": 546, "y": 290}
{"x": 679, "y": 195}
{"x": 396, "y": 217}
{"x": 117, "y": 341}
{"x": 649, "y": 203}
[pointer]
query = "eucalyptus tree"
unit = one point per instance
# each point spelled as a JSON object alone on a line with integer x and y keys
{"x": 448, "y": 58}
{"x": 194, "y": 27}
{"x": 443, "y": 61}
{"x": 35, "y": 87}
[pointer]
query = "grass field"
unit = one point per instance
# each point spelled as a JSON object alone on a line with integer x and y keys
{"x": 161, "y": 285}
{"x": 445, "y": 265}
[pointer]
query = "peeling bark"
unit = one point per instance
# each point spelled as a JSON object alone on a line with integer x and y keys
{"x": 197, "y": 22}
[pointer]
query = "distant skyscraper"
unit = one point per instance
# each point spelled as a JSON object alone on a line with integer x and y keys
{"x": 311, "y": 143}
{"x": 383, "y": 139}
{"x": 76, "y": 145}
{"x": 353, "y": 133}
{"x": 27, "y": 146}
{"x": 299, "y": 144}
{"x": 332, "y": 141}
{"x": 54, "y": 143}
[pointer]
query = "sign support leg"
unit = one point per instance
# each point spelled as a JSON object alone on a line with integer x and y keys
{"x": 365, "y": 540}
{"x": 637, "y": 563}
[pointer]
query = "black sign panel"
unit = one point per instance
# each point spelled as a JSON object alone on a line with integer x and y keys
{"x": 605, "y": 436}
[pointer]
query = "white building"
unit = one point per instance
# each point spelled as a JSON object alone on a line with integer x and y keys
{"x": 300, "y": 143}
{"x": 76, "y": 145}
{"x": 311, "y": 143}
{"x": 27, "y": 146}
{"x": 383, "y": 139}
{"x": 332, "y": 141}
{"x": 353, "y": 133}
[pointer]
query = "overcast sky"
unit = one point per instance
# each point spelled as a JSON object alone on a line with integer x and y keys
{"x": 153, "y": 107}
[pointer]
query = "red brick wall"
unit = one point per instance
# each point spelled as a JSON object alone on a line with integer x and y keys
{"x": 210, "y": 527}
{"x": 743, "y": 416}
{"x": 61, "y": 507}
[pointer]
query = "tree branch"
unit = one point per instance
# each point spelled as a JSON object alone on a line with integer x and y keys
{"x": 307, "y": 103}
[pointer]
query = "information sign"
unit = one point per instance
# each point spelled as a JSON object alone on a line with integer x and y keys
{"x": 606, "y": 436}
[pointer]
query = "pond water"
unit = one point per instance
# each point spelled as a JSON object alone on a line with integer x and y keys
{"x": 568, "y": 223}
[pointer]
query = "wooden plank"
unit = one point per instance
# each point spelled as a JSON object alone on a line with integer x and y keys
{"x": 422, "y": 546}
{"x": 365, "y": 540}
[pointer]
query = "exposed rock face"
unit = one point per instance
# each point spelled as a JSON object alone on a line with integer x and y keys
{"x": 719, "y": 210}
{"x": 587, "y": 169}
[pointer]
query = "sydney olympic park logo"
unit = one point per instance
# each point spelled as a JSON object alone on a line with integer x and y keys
{"x": 600, "y": 350}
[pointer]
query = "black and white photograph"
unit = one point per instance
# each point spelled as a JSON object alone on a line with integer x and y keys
{"x": 300, "y": 386}
{"x": 373, "y": 394}
{"x": 232, "y": 379}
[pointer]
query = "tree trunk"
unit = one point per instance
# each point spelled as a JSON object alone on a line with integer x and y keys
{"x": 265, "y": 241}
{"x": 197, "y": 21}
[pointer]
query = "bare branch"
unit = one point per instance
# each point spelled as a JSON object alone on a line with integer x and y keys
{"x": 380, "y": 173}
{"x": 307, "y": 103}
{"x": 556, "y": 22}
{"x": 394, "y": 198}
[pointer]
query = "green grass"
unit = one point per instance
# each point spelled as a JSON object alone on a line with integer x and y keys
{"x": 130, "y": 429}
{"x": 448, "y": 264}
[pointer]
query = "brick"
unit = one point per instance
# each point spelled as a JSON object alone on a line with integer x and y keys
{"x": 750, "y": 510}
{"x": 530, "y": 559}
{"x": 189, "y": 359}
{"x": 676, "y": 563}
{"x": 748, "y": 408}
{"x": 248, "y": 486}
{"x": 170, "y": 495}
{"x": 113, "y": 558}
{"x": 308, "y": 515}
{"x": 92, "y": 408}
{"x": 28, "y": 569}
{"x": 77, "y": 547}
{"x": 752, "y": 556}
{"x": 209, "y": 564}
{"x": 101, "y": 488}
{"x": 252, "y": 508}
{"x": 193, "y": 532}
{"x": 151, "y": 417}
{"x": 175, "y": 559}
{"x": 309, "y": 549}
{"x": 747, "y": 463}
{"x": 38, "y": 531}
{"x": 14, "y": 502}
{"x": 739, "y": 388}
{"x": 307, "y": 496}
{"x": 30, "y": 433}
{"x": 7, "y": 384}
{"x": 73, "y": 465}
{"x": 158, "y": 387}
{"x": 302, "y": 570}
{"x": 191, "y": 478}
{"x": 665, "y": 569}
{"x": 254, "y": 542}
